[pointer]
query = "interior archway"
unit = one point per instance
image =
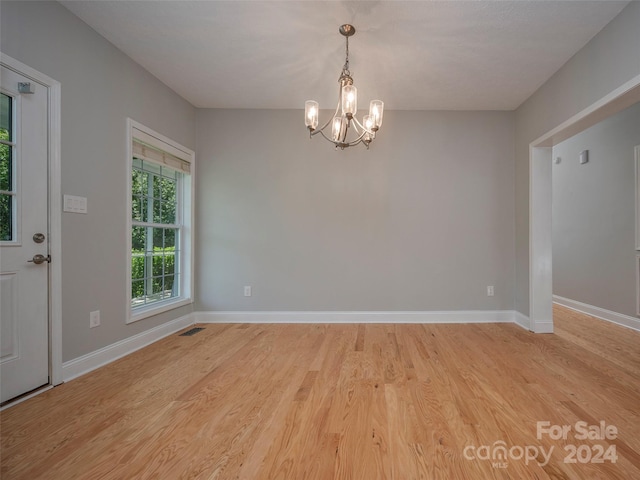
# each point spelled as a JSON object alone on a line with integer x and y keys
{"x": 540, "y": 188}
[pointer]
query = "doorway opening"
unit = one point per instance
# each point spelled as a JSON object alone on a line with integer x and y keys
{"x": 540, "y": 188}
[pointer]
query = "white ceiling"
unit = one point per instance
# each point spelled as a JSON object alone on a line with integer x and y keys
{"x": 414, "y": 55}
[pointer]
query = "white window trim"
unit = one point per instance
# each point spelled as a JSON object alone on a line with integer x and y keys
{"x": 149, "y": 136}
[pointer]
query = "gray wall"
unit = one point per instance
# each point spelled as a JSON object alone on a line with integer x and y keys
{"x": 101, "y": 87}
{"x": 594, "y": 215}
{"x": 609, "y": 60}
{"x": 421, "y": 221}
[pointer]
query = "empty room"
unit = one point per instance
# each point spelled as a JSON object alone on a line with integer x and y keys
{"x": 319, "y": 239}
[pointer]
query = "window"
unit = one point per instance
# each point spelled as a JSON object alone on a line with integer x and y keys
{"x": 7, "y": 170}
{"x": 160, "y": 218}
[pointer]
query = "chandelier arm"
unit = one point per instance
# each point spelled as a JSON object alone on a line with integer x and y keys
{"x": 359, "y": 139}
{"x": 365, "y": 131}
{"x": 329, "y": 139}
{"x": 352, "y": 143}
{"x": 337, "y": 105}
{"x": 358, "y": 124}
{"x": 318, "y": 130}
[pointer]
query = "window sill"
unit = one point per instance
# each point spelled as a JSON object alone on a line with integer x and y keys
{"x": 151, "y": 310}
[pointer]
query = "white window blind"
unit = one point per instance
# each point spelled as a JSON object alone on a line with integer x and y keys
{"x": 146, "y": 152}
{"x": 158, "y": 150}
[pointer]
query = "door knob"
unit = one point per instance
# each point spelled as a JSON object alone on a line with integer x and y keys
{"x": 38, "y": 259}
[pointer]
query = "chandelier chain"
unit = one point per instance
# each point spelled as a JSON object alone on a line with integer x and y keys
{"x": 345, "y": 69}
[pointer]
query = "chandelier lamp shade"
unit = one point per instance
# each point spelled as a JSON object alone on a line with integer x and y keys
{"x": 346, "y": 130}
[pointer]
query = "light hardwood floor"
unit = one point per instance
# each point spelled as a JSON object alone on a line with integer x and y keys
{"x": 340, "y": 401}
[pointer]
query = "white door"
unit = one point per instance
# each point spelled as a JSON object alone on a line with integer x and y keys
{"x": 24, "y": 267}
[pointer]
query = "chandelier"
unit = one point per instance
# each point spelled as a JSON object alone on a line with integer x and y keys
{"x": 344, "y": 123}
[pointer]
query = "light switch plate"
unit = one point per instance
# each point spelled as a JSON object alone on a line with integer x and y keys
{"x": 584, "y": 157}
{"x": 75, "y": 204}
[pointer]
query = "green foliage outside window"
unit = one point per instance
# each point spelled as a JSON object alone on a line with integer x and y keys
{"x": 6, "y": 182}
{"x": 163, "y": 261}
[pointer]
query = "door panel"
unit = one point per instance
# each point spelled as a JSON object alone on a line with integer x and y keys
{"x": 24, "y": 284}
{"x": 9, "y": 316}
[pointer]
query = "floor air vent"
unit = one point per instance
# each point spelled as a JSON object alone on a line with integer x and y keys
{"x": 193, "y": 331}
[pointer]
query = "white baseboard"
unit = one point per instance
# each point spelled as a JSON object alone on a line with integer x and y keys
{"x": 608, "y": 315}
{"x": 521, "y": 320}
{"x": 466, "y": 316}
{"x": 541, "y": 327}
{"x": 86, "y": 363}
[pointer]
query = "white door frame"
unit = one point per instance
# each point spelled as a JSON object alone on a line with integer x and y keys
{"x": 54, "y": 213}
{"x": 540, "y": 187}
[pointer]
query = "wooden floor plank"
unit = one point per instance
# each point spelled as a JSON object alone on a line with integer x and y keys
{"x": 322, "y": 402}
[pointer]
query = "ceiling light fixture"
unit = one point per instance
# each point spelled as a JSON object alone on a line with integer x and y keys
{"x": 344, "y": 119}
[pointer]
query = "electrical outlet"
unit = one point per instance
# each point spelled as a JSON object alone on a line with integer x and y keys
{"x": 247, "y": 291}
{"x": 490, "y": 291}
{"x": 94, "y": 319}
